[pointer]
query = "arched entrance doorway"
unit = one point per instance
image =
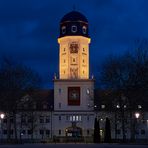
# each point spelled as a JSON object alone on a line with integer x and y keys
{"x": 73, "y": 131}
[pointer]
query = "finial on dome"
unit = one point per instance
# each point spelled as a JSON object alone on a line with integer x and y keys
{"x": 55, "y": 76}
{"x": 92, "y": 76}
{"x": 74, "y": 8}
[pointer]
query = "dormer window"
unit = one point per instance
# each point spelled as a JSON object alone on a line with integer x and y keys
{"x": 139, "y": 106}
{"x": 74, "y": 28}
{"x": 102, "y": 106}
{"x": 84, "y": 29}
{"x": 63, "y": 29}
{"x": 88, "y": 91}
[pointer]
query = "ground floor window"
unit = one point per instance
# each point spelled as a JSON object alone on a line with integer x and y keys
{"x": 75, "y": 118}
{"x": 87, "y": 132}
{"x": 59, "y": 132}
{"x": 73, "y": 131}
{"x": 47, "y": 132}
{"x": 41, "y": 132}
{"x": 118, "y": 131}
{"x": 5, "y": 132}
{"x": 29, "y": 132}
{"x": 142, "y": 132}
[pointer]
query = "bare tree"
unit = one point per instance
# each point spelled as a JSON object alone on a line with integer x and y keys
{"x": 127, "y": 76}
{"x": 15, "y": 80}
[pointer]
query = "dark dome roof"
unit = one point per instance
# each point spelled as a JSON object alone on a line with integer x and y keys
{"x": 74, "y": 16}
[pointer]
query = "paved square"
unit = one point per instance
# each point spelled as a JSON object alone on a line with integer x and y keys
{"x": 73, "y": 146}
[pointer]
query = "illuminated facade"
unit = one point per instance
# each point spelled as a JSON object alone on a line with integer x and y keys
{"x": 74, "y": 57}
{"x": 68, "y": 110}
{"x": 73, "y": 91}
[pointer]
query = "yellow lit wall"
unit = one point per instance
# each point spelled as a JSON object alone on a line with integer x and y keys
{"x": 73, "y": 64}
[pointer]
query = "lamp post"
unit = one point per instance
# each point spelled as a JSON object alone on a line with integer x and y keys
{"x": 147, "y": 127}
{"x": 51, "y": 119}
{"x": 137, "y": 115}
{"x": 2, "y": 116}
{"x": 94, "y": 107}
{"x": 121, "y": 106}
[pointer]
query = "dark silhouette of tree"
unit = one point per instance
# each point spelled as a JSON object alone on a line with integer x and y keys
{"x": 96, "y": 131}
{"x": 107, "y": 136}
{"x": 27, "y": 112}
{"x": 15, "y": 81}
{"x": 127, "y": 77}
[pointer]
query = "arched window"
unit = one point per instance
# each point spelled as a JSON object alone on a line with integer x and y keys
{"x": 63, "y": 29}
{"x": 84, "y": 29}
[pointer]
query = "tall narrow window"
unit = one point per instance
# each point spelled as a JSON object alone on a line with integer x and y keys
{"x": 142, "y": 132}
{"x": 87, "y": 118}
{"x": 41, "y": 119}
{"x": 47, "y": 119}
{"x": 29, "y": 132}
{"x": 59, "y": 105}
{"x": 23, "y": 132}
{"x": 41, "y": 132}
{"x": 80, "y": 118}
{"x": 5, "y": 132}
{"x": 59, "y": 132}
{"x": 87, "y": 132}
{"x": 74, "y": 118}
{"x": 67, "y": 117}
{"x": 47, "y": 132}
{"x": 77, "y": 118}
{"x": 84, "y": 29}
{"x": 11, "y": 132}
{"x": 60, "y": 90}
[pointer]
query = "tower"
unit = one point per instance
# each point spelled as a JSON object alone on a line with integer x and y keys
{"x": 73, "y": 90}
{"x": 74, "y": 47}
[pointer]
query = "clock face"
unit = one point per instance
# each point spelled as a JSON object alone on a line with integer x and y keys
{"x": 73, "y": 95}
{"x": 74, "y": 48}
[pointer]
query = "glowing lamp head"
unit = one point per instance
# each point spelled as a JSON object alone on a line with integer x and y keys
{"x": 118, "y": 106}
{"x": 137, "y": 115}
{"x": 2, "y": 116}
{"x": 95, "y": 106}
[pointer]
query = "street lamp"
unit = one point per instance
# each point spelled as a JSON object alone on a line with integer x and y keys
{"x": 2, "y": 116}
{"x": 137, "y": 115}
{"x": 120, "y": 105}
{"x": 51, "y": 108}
{"x": 147, "y": 127}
